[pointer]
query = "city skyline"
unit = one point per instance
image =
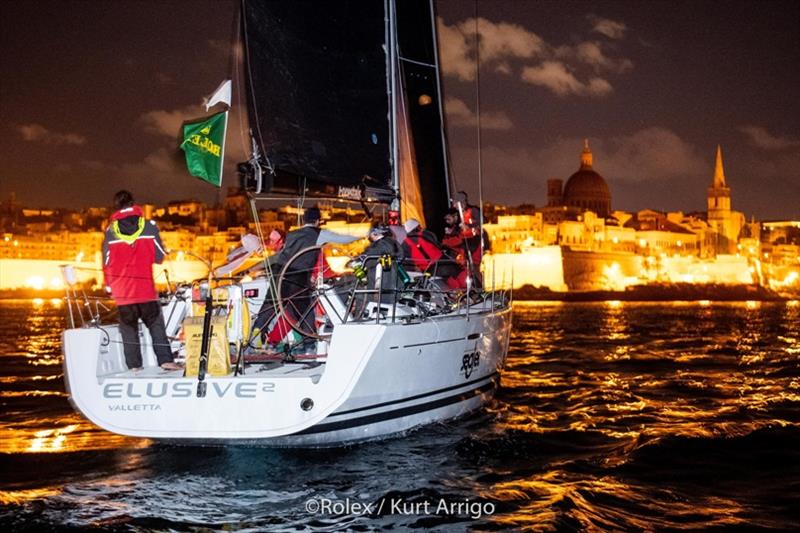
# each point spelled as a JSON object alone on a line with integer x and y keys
{"x": 94, "y": 94}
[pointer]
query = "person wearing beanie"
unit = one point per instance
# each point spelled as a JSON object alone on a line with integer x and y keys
{"x": 312, "y": 215}
{"x": 410, "y": 225}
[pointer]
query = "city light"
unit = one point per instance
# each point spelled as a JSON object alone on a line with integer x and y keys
{"x": 35, "y": 282}
{"x": 560, "y": 248}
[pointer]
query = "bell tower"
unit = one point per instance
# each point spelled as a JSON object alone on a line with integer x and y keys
{"x": 719, "y": 194}
{"x": 720, "y": 217}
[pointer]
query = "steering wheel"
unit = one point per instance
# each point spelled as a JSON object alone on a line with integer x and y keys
{"x": 302, "y": 289}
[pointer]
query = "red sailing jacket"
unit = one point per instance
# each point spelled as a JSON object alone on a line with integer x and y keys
{"x": 130, "y": 248}
{"x": 421, "y": 249}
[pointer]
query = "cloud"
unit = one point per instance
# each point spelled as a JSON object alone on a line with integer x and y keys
{"x": 455, "y": 56}
{"x": 155, "y": 167}
{"x": 459, "y": 115}
{"x": 504, "y": 39}
{"x": 648, "y": 168}
{"x": 38, "y": 133}
{"x": 761, "y": 138}
{"x": 168, "y": 123}
{"x": 651, "y": 157}
{"x": 610, "y": 28}
{"x": 512, "y": 50}
{"x": 498, "y": 42}
{"x": 555, "y": 76}
{"x": 653, "y": 154}
{"x": 165, "y": 167}
{"x": 592, "y": 54}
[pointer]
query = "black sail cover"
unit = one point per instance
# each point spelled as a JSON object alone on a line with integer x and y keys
{"x": 317, "y": 93}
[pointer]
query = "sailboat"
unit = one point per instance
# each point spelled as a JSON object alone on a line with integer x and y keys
{"x": 344, "y": 102}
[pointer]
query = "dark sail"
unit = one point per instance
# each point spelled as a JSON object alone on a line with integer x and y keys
{"x": 317, "y": 93}
{"x": 418, "y": 53}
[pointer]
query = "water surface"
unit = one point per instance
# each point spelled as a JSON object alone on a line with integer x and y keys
{"x": 610, "y": 416}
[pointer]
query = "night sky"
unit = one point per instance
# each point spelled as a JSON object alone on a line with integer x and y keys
{"x": 92, "y": 95}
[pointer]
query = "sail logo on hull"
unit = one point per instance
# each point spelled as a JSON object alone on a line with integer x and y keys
{"x": 469, "y": 362}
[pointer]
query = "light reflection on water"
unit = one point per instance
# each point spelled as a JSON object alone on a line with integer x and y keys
{"x": 611, "y": 415}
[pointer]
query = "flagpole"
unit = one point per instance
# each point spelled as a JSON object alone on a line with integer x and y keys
{"x": 224, "y": 137}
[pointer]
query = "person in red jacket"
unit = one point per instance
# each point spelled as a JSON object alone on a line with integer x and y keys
{"x": 130, "y": 247}
{"x": 424, "y": 253}
{"x": 465, "y": 239}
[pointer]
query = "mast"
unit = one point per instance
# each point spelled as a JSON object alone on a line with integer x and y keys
{"x": 391, "y": 58}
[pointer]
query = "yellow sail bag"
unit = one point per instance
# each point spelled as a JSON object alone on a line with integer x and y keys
{"x": 219, "y": 359}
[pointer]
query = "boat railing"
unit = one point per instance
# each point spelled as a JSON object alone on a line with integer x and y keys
{"x": 377, "y": 292}
{"x": 83, "y": 309}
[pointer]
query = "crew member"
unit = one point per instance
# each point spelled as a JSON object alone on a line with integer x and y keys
{"x": 130, "y": 248}
{"x": 465, "y": 236}
{"x": 424, "y": 253}
{"x": 295, "y": 288}
{"x": 383, "y": 252}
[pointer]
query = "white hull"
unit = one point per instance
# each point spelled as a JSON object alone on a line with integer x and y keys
{"x": 377, "y": 380}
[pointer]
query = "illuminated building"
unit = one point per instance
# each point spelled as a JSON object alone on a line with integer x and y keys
{"x": 63, "y": 245}
{"x": 656, "y": 234}
{"x": 513, "y": 233}
{"x": 188, "y": 208}
{"x": 725, "y": 223}
{"x": 585, "y": 190}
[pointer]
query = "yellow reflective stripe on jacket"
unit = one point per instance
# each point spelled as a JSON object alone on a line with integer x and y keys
{"x": 128, "y": 238}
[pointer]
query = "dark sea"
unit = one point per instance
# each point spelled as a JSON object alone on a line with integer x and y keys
{"x": 611, "y": 416}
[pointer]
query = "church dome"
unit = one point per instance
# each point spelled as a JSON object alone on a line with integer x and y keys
{"x": 586, "y": 189}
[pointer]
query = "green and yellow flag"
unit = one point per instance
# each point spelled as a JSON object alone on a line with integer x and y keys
{"x": 204, "y": 144}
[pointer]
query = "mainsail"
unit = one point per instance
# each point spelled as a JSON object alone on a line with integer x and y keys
{"x": 316, "y": 74}
{"x": 320, "y": 98}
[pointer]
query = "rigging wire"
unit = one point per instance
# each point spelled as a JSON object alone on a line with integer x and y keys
{"x": 249, "y": 78}
{"x": 237, "y": 52}
{"x": 272, "y": 286}
{"x": 478, "y": 123}
{"x": 450, "y": 178}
